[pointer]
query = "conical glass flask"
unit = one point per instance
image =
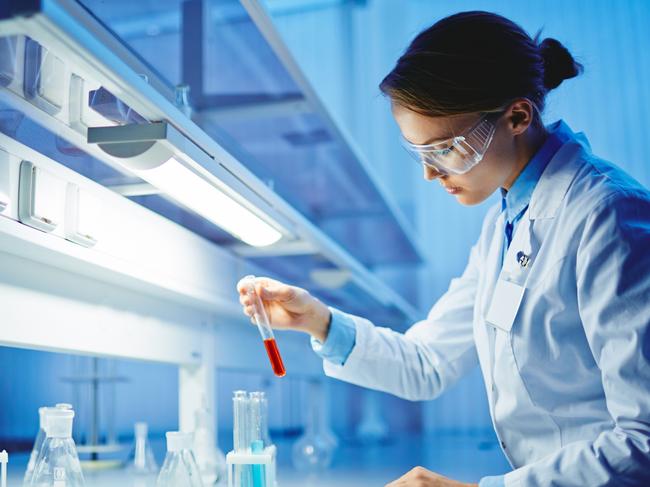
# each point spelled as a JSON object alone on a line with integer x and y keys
{"x": 38, "y": 444}
{"x": 141, "y": 460}
{"x": 179, "y": 468}
{"x": 313, "y": 451}
{"x": 209, "y": 458}
{"x": 57, "y": 464}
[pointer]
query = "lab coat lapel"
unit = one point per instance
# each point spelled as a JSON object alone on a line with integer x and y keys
{"x": 544, "y": 205}
{"x": 555, "y": 181}
{"x": 494, "y": 260}
{"x": 483, "y": 335}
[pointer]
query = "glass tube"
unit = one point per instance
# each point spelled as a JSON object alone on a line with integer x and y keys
{"x": 241, "y": 436}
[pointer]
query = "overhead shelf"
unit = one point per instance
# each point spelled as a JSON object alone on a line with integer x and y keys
{"x": 83, "y": 56}
{"x": 249, "y": 94}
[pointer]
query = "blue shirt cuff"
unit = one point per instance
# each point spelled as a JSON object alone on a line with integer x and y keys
{"x": 497, "y": 481}
{"x": 340, "y": 340}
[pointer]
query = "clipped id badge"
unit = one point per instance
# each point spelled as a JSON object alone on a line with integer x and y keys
{"x": 505, "y": 304}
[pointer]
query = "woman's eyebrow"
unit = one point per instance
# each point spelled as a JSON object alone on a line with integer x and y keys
{"x": 437, "y": 139}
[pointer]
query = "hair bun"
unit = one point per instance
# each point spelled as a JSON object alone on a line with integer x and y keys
{"x": 558, "y": 63}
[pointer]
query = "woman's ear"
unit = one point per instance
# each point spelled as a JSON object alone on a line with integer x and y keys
{"x": 520, "y": 116}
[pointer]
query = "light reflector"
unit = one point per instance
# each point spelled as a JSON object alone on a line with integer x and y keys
{"x": 151, "y": 151}
{"x": 194, "y": 192}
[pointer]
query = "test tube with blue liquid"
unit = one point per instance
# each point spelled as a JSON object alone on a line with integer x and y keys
{"x": 256, "y": 425}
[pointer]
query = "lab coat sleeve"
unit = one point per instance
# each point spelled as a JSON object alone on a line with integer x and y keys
{"x": 428, "y": 358}
{"x": 495, "y": 481}
{"x": 340, "y": 339}
{"x": 613, "y": 286}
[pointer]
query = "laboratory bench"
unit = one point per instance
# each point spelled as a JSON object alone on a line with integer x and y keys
{"x": 462, "y": 457}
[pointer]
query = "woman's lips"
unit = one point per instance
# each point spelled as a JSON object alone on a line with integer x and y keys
{"x": 452, "y": 189}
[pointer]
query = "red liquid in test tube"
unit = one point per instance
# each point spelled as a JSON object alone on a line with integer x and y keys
{"x": 275, "y": 357}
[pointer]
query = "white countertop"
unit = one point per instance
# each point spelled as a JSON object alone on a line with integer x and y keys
{"x": 465, "y": 459}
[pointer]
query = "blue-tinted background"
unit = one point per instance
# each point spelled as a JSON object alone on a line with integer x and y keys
{"x": 345, "y": 48}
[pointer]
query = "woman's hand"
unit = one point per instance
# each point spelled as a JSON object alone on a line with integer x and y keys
{"x": 288, "y": 307}
{"x": 421, "y": 477}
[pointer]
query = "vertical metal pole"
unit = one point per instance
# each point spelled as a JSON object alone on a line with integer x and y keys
{"x": 192, "y": 49}
{"x": 94, "y": 432}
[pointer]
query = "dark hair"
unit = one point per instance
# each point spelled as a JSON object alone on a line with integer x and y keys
{"x": 476, "y": 62}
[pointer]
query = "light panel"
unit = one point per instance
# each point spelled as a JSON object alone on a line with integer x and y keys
{"x": 195, "y": 193}
{"x": 169, "y": 161}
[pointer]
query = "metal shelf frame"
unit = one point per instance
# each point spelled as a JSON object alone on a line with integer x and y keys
{"x": 164, "y": 294}
{"x": 68, "y": 30}
{"x": 262, "y": 19}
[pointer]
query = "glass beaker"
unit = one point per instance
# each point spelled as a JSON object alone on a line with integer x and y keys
{"x": 179, "y": 468}
{"x": 209, "y": 458}
{"x": 313, "y": 451}
{"x": 38, "y": 444}
{"x": 57, "y": 464}
{"x": 141, "y": 460}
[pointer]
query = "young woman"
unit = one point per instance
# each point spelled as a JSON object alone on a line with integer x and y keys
{"x": 555, "y": 301}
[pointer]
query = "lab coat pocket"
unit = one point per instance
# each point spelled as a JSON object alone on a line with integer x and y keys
{"x": 505, "y": 304}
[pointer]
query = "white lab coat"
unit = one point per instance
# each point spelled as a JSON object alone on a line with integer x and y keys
{"x": 563, "y": 343}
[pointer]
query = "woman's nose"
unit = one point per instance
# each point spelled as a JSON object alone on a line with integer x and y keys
{"x": 430, "y": 174}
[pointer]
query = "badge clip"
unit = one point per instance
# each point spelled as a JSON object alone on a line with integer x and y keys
{"x": 523, "y": 259}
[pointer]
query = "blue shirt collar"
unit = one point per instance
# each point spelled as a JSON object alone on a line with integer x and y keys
{"x": 515, "y": 201}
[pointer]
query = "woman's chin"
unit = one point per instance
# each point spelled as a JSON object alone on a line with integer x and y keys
{"x": 470, "y": 198}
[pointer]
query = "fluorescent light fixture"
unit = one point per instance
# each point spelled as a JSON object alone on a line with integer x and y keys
{"x": 198, "y": 195}
{"x": 166, "y": 159}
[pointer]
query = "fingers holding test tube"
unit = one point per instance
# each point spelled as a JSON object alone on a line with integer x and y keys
{"x": 287, "y": 307}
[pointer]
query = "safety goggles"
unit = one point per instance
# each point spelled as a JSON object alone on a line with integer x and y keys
{"x": 457, "y": 155}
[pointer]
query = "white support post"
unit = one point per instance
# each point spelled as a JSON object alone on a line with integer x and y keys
{"x": 196, "y": 385}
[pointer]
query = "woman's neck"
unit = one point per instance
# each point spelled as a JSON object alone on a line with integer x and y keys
{"x": 526, "y": 145}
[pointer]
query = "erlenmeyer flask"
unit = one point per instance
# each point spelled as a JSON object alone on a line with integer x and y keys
{"x": 209, "y": 458}
{"x": 141, "y": 460}
{"x": 38, "y": 444}
{"x": 313, "y": 451}
{"x": 57, "y": 464}
{"x": 179, "y": 468}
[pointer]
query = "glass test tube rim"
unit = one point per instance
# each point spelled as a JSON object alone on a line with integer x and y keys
{"x": 241, "y": 425}
{"x": 259, "y": 312}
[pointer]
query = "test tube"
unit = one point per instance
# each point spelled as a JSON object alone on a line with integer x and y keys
{"x": 257, "y": 444}
{"x": 263, "y": 325}
{"x": 241, "y": 436}
{"x": 260, "y": 415}
{"x": 255, "y": 416}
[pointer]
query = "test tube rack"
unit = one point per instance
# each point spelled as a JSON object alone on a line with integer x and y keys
{"x": 265, "y": 458}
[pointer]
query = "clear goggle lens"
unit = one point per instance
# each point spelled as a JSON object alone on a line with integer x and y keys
{"x": 459, "y": 154}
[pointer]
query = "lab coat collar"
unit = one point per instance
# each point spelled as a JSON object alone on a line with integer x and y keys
{"x": 517, "y": 198}
{"x": 559, "y": 173}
